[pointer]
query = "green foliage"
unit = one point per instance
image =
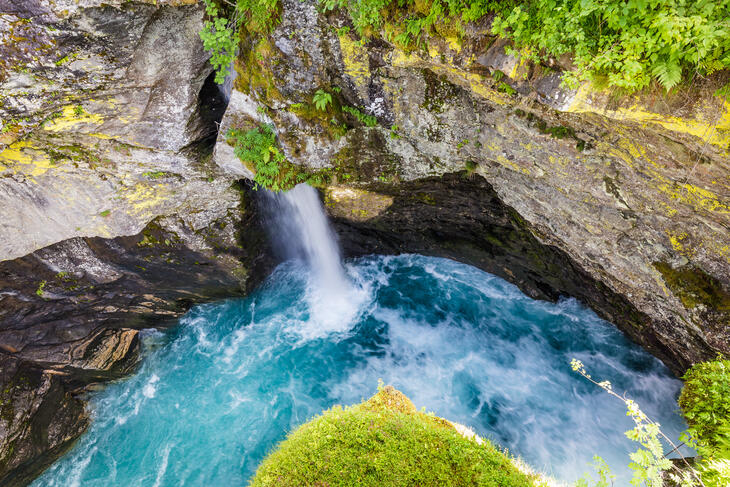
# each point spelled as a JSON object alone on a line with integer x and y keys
{"x": 603, "y": 472}
{"x": 649, "y": 463}
{"x": 630, "y": 42}
{"x": 384, "y": 442}
{"x": 259, "y": 151}
{"x": 220, "y": 30}
{"x": 218, "y": 36}
{"x": 321, "y": 100}
{"x": 367, "y": 120}
{"x": 258, "y": 148}
{"x": 705, "y": 402}
{"x": 41, "y": 286}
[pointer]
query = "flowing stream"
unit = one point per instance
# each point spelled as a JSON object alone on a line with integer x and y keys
{"x": 214, "y": 396}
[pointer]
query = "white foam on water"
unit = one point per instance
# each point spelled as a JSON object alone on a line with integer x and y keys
{"x": 74, "y": 479}
{"x": 230, "y": 382}
{"x": 150, "y": 388}
{"x": 302, "y": 230}
{"x": 163, "y": 466}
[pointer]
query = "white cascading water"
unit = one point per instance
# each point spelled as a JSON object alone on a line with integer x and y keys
{"x": 300, "y": 228}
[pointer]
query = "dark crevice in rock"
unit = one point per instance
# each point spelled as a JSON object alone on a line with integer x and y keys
{"x": 212, "y": 103}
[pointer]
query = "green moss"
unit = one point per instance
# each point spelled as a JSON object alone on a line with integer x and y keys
{"x": 385, "y": 442}
{"x": 254, "y": 71}
{"x": 439, "y": 92}
{"x": 424, "y": 198}
{"x": 330, "y": 119}
{"x": 694, "y": 287}
{"x": 556, "y": 131}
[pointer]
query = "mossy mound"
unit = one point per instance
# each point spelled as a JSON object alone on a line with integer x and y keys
{"x": 384, "y": 442}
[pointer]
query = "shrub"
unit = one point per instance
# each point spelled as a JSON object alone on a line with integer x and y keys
{"x": 705, "y": 402}
{"x": 385, "y": 442}
{"x": 650, "y": 465}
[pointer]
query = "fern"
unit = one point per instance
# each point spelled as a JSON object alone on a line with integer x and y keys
{"x": 321, "y": 100}
{"x": 669, "y": 74}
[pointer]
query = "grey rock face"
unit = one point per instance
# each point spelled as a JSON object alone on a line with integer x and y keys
{"x": 105, "y": 111}
{"x": 635, "y": 192}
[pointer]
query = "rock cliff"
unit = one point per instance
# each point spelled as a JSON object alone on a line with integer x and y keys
{"x": 627, "y": 197}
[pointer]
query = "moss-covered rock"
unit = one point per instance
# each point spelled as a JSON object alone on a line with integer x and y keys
{"x": 385, "y": 441}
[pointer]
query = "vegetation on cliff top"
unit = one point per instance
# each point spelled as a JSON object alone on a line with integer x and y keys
{"x": 626, "y": 43}
{"x": 384, "y": 442}
{"x": 705, "y": 402}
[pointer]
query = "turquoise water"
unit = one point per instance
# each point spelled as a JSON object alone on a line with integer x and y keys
{"x": 213, "y": 396}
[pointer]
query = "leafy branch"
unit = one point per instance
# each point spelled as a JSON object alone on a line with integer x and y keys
{"x": 650, "y": 462}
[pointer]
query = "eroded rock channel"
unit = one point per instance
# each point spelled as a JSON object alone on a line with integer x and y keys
{"x": 118, "y": 213}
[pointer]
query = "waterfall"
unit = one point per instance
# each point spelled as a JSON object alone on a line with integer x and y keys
{"x": 299, "y": 229}
{"x": 303, "y": 232}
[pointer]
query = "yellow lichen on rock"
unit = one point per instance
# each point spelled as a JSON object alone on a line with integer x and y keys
{"x": 695, "y": 196}
{"x": 356, "y": 204}
{"x": 24, "y": 157}
{"x": 71, "y": 117}
{"x": 714, "y": 130}
{"x": 355, "y": 60}
{"x": 470, "y": 81}
{"x": 145, "y": 199}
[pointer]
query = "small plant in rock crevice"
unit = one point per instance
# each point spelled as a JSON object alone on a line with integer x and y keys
{"x": 321, "y": 100}
{"x": 259, "y": 150}
{"x": 367, "y": 120}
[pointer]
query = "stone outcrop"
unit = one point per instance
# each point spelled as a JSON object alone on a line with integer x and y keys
{"x": 632, "y": 194}
{"x": 105, "y": 114}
